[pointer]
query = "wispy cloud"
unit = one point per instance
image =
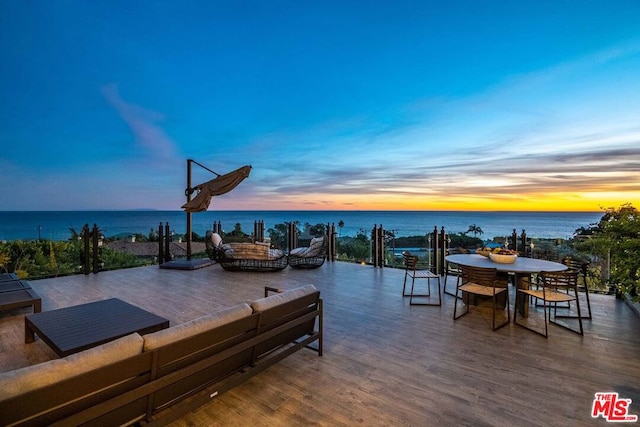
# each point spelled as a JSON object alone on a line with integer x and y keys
{"x": 604, "y": 159}
{"x": 143, "y": 124}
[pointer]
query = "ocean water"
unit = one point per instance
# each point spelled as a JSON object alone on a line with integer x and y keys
{"x": 56, "y": 225}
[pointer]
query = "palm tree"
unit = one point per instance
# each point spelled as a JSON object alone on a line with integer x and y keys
{"x": 475, "y": 230}
{"x": 340, "y": 225}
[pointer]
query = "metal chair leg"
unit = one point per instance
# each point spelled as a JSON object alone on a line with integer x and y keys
{"x": 445, "y": 285}
{"x": 427, "y": 294}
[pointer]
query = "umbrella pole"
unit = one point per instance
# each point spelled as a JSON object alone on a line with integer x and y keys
{"x": 188, "y": 192}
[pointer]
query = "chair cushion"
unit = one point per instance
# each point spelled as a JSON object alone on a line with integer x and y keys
{"x": 196, "y": 326}
{"x": 315, "y": 246}
{"x": 216, "y": 239}
{"x": 245, "y": 251}
{"x": 273, "y": 254}
{"x": 277, "y": 299}
{"x": 252, "y": 251}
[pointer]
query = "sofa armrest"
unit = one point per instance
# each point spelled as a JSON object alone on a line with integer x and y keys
{"x": 268, "y": 289}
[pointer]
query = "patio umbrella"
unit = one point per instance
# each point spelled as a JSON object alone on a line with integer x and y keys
{"x": 220, "y": 185}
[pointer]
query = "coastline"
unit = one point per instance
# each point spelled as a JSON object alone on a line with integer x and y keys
{"x": 57, "y": 225}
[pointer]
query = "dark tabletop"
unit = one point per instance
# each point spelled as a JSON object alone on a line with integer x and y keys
{"x": 76, "y": 328}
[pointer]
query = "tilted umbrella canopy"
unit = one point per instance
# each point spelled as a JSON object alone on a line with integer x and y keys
{"x": 217, "y": 186}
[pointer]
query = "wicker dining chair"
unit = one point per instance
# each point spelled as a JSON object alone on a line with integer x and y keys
{"x": 554, "y": 287}
{"x": 414, "y": 271}
{"x": 483, "y": 283}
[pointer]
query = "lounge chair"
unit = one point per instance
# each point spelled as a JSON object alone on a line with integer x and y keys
{"x": 310, "y": 257}
{"x": 236, "y": 256}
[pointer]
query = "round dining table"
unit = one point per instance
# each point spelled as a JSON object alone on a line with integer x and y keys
{"x": 522, "y": 265}
{"x": 522, "y": 268}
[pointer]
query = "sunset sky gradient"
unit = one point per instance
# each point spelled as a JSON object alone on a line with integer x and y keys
{"x": 394, "y": 105}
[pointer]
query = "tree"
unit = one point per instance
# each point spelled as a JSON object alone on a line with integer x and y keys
{"x": 139, "y": 237}
{"x": 315, "y": 230}
{"x": 237, "y": 235}
{"x": 4, "y": 261}
{"x": 237, "y": 231}
{"x": 153, "y": 235}
{"x": 36, "y": 259}
{"x": 617, "y": 237}
{"x": 74, "y": 234}
{"x": 475, "y": 230}
{"x": 340, "y": 225}
{"x": 278, "y": 235}
{"x": 462, "y": 240}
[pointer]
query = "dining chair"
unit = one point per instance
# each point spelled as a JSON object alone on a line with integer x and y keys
{"x": 452, "y": 269}
{"x": 553, "y": 287}
{"x": 582, "y": 267}
{"x": 414, "y": 271}
{"x": 484, "y": 283}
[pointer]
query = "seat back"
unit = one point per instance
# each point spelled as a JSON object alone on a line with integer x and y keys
{"x": 567, "y": 279}
{"x": 582, "y": 267}
{"x": 410, "y": 261}
{"x": 277, "y": 310}
{"x": 317, "y": 247}
{"x": 575, "y": 264}
{"x": 479, "y": 276}
{"x": 451, "y": 268}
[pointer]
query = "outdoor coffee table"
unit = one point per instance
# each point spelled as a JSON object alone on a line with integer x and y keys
{"x": 73, "y": 329}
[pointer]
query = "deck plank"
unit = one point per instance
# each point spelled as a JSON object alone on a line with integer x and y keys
{"x": 385, "y": 362}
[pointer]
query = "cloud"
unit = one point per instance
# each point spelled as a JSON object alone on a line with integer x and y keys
{"x": 575, "y": 161}
{"x": 142, "y": 123}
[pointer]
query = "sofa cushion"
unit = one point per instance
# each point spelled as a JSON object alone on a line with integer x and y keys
{"x": 216, "y": 239}
{"x": 106, "y": 354}
{"x": 196, "y": 326}
{"x": 23, "y": 380}
{"x": 277, "y": 299}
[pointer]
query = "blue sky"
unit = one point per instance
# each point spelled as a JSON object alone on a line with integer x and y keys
{"x": 492, "y": 105}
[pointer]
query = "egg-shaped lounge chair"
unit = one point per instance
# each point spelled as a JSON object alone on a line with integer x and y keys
{"x": 236, "y": 256}
{"x": 312, "y": 256}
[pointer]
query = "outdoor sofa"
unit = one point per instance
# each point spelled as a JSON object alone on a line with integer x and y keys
{"x": 146, "y": 379}
{"x": 241, "y": 256}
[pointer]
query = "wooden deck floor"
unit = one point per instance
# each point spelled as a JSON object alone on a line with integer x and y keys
{"x": 385, "y": 362}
